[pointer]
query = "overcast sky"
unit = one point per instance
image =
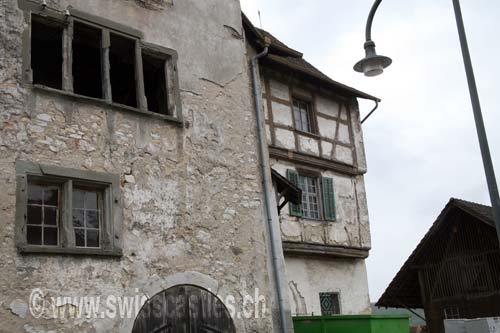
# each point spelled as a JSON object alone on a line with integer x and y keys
{"x": 421, "y": 143}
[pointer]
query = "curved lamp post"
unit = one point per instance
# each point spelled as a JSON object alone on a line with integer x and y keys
{"x": 374, "y": 64}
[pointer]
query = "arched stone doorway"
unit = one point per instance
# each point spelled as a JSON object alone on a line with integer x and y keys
{"x": 184, "y": 309}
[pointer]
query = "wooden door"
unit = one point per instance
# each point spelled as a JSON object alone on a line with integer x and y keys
{"x": 184, "y": 309}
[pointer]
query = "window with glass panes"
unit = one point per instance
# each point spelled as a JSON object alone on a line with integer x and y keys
{"x": 310, "y": 197}
{"x": 302, "y": 115}
{"x": 315, "y": 190}
{"x": 87, "y": 217}
{"x": 42, "y": 220}
{"x": 61, "y": 210}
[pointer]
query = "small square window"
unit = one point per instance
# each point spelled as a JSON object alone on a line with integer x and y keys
{"x": 302, "y": 113}
{"x": 67, "y": 211}
{"x": 330, "y": 303}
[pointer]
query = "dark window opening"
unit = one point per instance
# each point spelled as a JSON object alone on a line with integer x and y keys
{"x": 46, "y": 52}
{"x": 122, "y": 63}
{"x": 87, "y": 72}
{"x": 155, "y": 83}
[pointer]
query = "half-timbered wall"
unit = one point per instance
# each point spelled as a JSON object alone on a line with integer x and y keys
{"x": 332, "y": 137}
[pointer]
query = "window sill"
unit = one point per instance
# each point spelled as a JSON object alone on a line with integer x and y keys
{"x": 309, "y": 134}
{"x": 306, "y": 219}
{"x": 100, "y": 102}
{"x": 29, "y": 249}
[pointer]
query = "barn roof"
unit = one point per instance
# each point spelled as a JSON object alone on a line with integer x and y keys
{"x": 404, "y": 290}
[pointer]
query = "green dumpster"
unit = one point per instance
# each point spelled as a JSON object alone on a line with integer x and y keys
{"x": 352, "y": 324}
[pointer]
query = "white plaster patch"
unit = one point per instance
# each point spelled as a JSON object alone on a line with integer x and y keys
{"x": 343, "y": 113}
{"x": 327, "y": 128}
{"x": 309, "y": 145}
{"x": 343, "y": 154}
{"x": 282, "y": 114}
{"x": 268, "y": 134}
{"x": 19, "y": 308}
{"x": 344, "y": 134}
{"x": 291, "y": 229}
{"x": 285, "y": 138}
{"x": 313, "y": 276}
{"x": 279, "y": 90}
{"x": 327, "y": 106}
{"x": 266, "y": 111}
{"x": 326, "y": 148}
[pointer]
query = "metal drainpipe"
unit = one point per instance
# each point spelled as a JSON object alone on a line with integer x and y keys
{"x": 257, "y": 94}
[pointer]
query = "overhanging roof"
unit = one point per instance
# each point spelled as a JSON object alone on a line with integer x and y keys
{"x": 404, "y": 290}
{"x": 287, "y": 58}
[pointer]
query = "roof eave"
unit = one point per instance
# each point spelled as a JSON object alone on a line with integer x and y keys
{"x": 353, "y": 91}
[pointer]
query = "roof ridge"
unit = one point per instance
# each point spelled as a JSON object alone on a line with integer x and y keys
{"x": 470, "y": 202}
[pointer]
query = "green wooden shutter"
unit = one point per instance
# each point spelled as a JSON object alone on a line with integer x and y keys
{"x": 293, "y": 176}
{"x": 328, "y": 199}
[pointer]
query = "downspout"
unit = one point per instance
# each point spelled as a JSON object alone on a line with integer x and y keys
{"x": 257, "y": 94}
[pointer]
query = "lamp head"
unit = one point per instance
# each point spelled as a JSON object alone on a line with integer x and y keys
{"x": 372, "y": 64}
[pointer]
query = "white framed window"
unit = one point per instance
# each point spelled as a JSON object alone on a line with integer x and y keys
{"x": 310, "y": 197}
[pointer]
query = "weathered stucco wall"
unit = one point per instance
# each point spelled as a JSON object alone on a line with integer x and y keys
{"x": 192, "y": 196}
{"x": 351, "y": 229}
{"x": 309, "y": 277}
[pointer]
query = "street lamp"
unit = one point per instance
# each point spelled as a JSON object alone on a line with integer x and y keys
{"x": 373, "y": 65}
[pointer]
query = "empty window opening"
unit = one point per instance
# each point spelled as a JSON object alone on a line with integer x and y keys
{"x": 46, "y": 52}
{"x": 122, "y": 63}
{"x": 42, "y": 218}
{"x": 87, "y": 73}
{"x": 155, "y": 83}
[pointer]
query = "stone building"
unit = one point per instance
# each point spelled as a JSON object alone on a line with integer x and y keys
{"x": 130, "y": 170}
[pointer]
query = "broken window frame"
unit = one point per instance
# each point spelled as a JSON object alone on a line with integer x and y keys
{"x": 111, "y": 216}
{"x": 67, "y": 20}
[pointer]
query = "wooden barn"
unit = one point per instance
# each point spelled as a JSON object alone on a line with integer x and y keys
{"x": 455, "y": 270}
